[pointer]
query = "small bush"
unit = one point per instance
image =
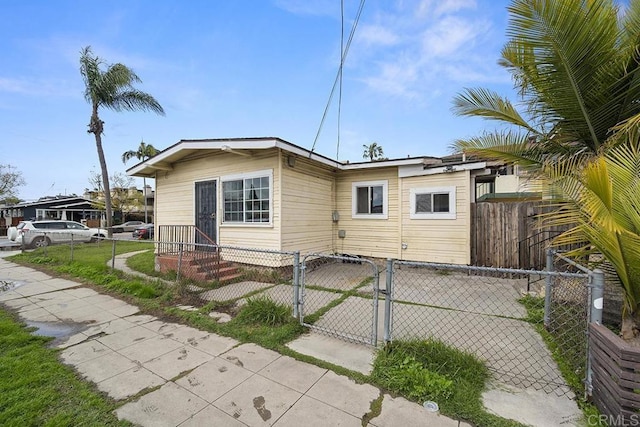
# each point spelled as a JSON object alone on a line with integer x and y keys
{"x": 262, "y": 309}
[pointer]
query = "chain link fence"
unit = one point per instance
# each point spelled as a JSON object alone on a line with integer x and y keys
{"x": 339, "y": 297}
{"x": 503, "y": 316}
{"x": 70, "y": 241}
{"x": 519, "y": 322}
{"x": 567, "y": 311}
{"x": 228, "y": 274}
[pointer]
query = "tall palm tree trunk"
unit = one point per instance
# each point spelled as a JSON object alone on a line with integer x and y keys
{"x": 96, "y": 127}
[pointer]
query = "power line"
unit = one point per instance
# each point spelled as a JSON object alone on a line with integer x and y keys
{"x": 343, "y": 57}
{"x": 340, "y": 71}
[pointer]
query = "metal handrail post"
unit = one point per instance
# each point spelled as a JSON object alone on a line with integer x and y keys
{"x": 180, "y": 252}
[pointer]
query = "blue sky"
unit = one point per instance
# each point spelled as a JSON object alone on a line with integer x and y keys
{"x": 241, "y": 68}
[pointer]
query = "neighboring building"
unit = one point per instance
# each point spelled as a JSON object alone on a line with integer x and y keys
{"x": 502, "y": 183}
{"x": 268, "y": 193}
{"x": 52, "y": 207}
{"x": 127, "y": 202}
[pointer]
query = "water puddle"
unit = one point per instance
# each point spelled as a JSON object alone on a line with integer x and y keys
{"x": 60, "y": 331}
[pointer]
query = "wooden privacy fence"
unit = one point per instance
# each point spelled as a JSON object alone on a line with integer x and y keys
{"x": 506, "y": 234}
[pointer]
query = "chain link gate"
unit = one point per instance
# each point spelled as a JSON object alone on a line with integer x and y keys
{"x": 339, "y": 297}
{"x": 497, "y": 314}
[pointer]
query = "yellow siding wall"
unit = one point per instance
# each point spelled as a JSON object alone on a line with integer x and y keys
{"x": 307, "y": 204}
{"x": 304, "y": 197}
{"x": 175, "y": 195}
{"x": 438, "y": 240}
{"x": 368, "y": 237}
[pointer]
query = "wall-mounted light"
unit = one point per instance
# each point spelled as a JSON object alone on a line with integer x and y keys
{"x": 291, "y": 160}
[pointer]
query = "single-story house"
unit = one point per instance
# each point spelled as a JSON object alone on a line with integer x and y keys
{"x": 271, "y": 194}
{"x": 71, "y": 208}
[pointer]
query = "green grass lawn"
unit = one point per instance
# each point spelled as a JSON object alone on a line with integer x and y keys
{"x": 37, "y": 390}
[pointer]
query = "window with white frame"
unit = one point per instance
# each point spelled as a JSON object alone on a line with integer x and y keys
{"x": 370, "y": 199}
{"x": 433, "y": 203}
{"x": 247, "y": 198}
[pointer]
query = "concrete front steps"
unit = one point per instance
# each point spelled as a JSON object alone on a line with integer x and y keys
{"x": 200, "y": 266}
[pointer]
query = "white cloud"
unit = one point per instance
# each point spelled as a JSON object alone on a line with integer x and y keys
{"x": 436, "y": 8}
{"x": 451, "y": 35}
{"x": 419, "y": 47}
{"x": 309, "y": 7}
{"x": 37, "y": 87}
{"x": 450, "y": 6}
{"x": 396, "y": 78}
{"x": 377, "y": 35}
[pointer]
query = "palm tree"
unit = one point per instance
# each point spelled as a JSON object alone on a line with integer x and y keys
{"x": 372, "y": 151}
{"x": 113, "y": 89}
{"x": 601, "y": 201}
{"x": 143, "y": 152}
{"x": 576, "y": 66}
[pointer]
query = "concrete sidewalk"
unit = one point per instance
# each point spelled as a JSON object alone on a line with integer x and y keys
{"x": 169, "y": 374}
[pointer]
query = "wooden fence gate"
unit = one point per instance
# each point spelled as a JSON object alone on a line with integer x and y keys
{"x": 506, "y": 235}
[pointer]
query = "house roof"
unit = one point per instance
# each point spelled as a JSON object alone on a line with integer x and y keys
{"x": 86, "y": 204}
{"x": 244, "y": 146}
{"x": 55, "y": 202}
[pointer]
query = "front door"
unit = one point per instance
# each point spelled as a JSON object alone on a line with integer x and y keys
{"x": 206, "y": 211}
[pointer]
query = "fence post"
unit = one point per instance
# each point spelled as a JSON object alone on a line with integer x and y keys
{"x": 387, "y": 301}
{"x": 296, "y": 283}
{"x": 113, "y": 254}
{"x": 180, "y": 251}
{"x": 376, "y": 290}
{"x": 547, "y": 289}
{"x": 72, "y": 247}
{"x": 596, "y": 300}
{"x": 597, "y": 297}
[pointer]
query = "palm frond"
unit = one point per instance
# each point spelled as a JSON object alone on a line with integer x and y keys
{"x": 601, "y": 199}
{"x": 562, "y": 45}
{"x": 488, "y": 104}
{"x": 135, "y": 100}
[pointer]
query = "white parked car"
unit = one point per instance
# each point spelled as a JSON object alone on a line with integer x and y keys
{"x": 37, "y": 234}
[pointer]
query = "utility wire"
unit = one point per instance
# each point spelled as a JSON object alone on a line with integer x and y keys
{"x": 340, "y": 71}
{"x": 338, "y": 74}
